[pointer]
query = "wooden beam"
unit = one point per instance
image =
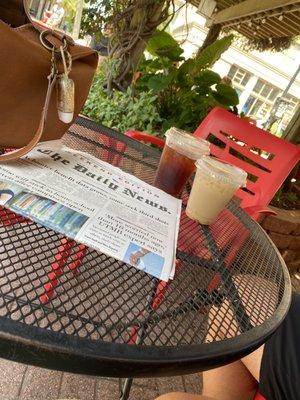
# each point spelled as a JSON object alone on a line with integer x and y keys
{"x": 290, "y": 11}
{"x": 248, "y": 8}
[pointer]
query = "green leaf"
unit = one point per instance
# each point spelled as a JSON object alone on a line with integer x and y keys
{"x": 207, "y": 78}
{"x": 143, "y": 81}
{"x": 202, "y": 90}
{"x": 187, "y": 66}
{"x": 184, "y": 78}
{"x": 159, "y": 82}
{"x": 172, "y": 53}
{"x": 225, "y": 95}
{"x": 212, "y": 53}
{"x": 186, "y": 116}
{"x": 163, "y": 44}
{"x": 160, "y": 39}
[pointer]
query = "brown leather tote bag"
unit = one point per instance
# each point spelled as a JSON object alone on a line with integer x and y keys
{"x": 28, "y": 101}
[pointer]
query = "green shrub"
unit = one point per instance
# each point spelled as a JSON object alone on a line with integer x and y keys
{"x": 122, "y": 110}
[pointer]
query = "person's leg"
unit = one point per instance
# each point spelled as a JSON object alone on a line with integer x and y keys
{"x": 253, "y": 362}
{"x": 231, "y": 382}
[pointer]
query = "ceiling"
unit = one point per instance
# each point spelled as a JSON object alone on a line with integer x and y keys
{"x": 257, "y": 19}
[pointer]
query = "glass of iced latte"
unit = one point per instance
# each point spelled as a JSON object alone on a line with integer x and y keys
{"x": 214, "y": 185}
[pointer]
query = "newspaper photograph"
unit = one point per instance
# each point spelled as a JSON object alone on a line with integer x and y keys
{"x": 96, "y": 204}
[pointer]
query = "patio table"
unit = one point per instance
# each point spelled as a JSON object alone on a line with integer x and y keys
{"x": 67, "y": 307}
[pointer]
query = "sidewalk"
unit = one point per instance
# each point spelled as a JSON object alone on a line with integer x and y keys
{"x": 23, "y": 382}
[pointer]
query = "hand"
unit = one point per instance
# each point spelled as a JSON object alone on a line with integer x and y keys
{"x": 134, "y": 258}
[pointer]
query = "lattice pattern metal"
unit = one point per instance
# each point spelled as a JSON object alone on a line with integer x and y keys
{"x": 229, "y": 277}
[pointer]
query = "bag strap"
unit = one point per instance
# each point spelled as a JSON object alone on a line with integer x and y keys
{"x": 36, "y": 138}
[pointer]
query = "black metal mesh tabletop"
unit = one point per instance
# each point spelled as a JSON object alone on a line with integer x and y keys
{"x": 230, "y": 292}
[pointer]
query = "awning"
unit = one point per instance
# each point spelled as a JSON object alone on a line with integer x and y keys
{"x": 258, "y": 19}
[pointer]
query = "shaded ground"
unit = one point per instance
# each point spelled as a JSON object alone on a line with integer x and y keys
{"x": 23, "y": 382}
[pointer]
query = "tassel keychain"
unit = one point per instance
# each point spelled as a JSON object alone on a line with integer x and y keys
{"x": 65, "y": 91}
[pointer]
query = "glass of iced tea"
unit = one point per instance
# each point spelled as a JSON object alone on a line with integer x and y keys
{"x": 177, "y": 162}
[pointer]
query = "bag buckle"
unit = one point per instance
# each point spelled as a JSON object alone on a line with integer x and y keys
{"x": 48, "y": 45}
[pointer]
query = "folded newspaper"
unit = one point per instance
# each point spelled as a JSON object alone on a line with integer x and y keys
{"x": 96, "y": 204}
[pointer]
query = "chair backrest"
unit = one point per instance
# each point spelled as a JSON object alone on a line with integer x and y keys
{"x": 266, "y": 158}
{"x": 145, "y": 137}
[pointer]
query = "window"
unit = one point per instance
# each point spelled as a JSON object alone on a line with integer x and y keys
{"x": 257, "y": 108}
{"x": 273, "y": 94}
{"x": 261, "y": 101}
{"x": 259, "y": 84}
{"x": 248, "y": 104}
{"x": 232, "y": 71}
{"x": 239, "y": 76}
{"x": 266, "y": 90}
{"x": 260, "y": 109}
{"x": 263, "y": 97}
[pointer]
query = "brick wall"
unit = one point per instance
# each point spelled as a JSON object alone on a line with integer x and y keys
{"x": 284, "y": 230}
